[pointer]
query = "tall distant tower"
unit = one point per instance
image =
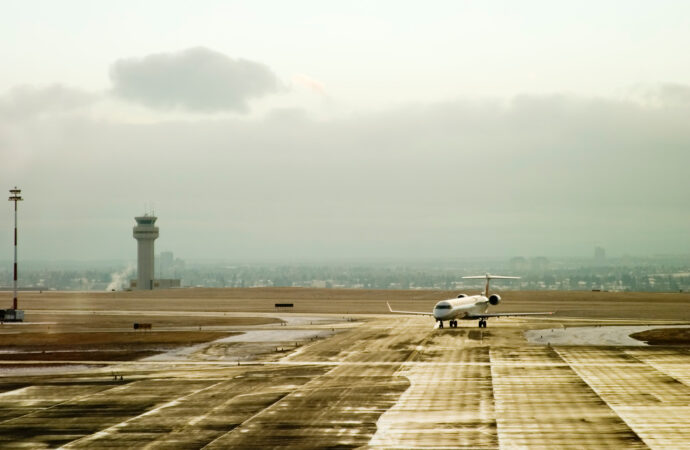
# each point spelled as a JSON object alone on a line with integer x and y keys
{"x": 145, "y": 233}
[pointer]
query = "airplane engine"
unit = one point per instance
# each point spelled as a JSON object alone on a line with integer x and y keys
{"x": 494, "y": 299}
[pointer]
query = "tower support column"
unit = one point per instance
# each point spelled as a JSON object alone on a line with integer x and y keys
{"x": 145, "y": 233}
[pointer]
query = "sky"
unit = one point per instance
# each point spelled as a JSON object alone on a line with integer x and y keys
{"x": 309, "y": 130}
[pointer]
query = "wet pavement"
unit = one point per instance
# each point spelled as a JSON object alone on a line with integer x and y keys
{"x": 381, "y": 382}
{"x": 592, "y": 335}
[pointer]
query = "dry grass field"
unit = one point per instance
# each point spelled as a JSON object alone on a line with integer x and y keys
{"x": 42, "y": 341}
{"x": 670, "y": 306}
{"x": 664, "y": 336}
{"x": 97, "y": 346}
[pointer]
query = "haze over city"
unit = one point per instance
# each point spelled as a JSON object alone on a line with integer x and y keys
{"x": 308, "y": 130}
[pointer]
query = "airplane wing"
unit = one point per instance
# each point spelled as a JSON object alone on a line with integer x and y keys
{"x": 408, "y": 312}
{"x": 510, "y": 314}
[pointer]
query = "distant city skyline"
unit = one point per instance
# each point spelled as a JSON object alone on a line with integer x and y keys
{"x": 539, "y": 273}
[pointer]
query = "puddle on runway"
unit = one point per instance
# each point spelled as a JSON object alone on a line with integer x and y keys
{"x": 250, "y": 337}
{"x": 618, "y": 335}
{"x": 276, "y": 336}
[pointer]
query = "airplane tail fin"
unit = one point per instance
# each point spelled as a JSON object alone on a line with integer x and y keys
{"x": 490, "y": 277}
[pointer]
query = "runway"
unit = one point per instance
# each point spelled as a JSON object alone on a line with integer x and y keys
{"x": 382, "y": 382}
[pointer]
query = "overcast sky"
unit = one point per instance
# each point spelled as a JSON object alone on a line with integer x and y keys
{"x": 310, "y": 129}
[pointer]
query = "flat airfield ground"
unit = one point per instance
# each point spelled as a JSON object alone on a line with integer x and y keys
{"x": 222, "y": 368}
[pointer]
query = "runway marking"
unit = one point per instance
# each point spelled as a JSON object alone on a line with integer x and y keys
{"x": 220, "y": 407}
{"x": 264, "y": 410}
{"x": 653, "y": 404}
{"x": 106, "y": 432}
{"x": 67, "y": 400}
{"x": 239, "y": 426}
{"x": 496, "y": 403}
{"x": 673, "y": 365}
{"x": 531, "y": 405}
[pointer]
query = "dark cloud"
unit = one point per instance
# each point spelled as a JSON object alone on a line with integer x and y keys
{"x": 196, "y": 79}
{"x": 26, "y": 101}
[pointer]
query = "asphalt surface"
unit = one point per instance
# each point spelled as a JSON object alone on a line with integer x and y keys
{"x": 383, "y": 382}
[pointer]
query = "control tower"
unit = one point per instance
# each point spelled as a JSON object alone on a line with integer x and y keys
{"x": 145, "y": 233}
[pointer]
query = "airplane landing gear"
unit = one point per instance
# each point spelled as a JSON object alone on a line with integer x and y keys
{"x": 482, "y": 323}
{"x": 453, "y": 324}
{"x": 440, "y": 324}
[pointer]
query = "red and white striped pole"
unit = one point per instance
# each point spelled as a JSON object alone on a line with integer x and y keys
{"x": 15, "y": 198}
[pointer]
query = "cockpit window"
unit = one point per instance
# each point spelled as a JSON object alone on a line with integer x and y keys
{"x": 445, "y": 306}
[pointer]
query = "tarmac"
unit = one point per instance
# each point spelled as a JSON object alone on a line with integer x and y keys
{"x": 379, "y": 382}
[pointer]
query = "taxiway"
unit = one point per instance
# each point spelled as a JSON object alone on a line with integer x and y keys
{"x": 379, "y": 383}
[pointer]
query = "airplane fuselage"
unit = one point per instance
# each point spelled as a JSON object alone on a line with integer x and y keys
{"x": 468, "y": 307}
{"x": 461, "y": 308}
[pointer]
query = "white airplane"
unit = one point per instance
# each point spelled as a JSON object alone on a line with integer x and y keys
{"x": 470, "y": 307}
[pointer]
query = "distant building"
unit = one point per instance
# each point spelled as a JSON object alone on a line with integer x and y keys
{"x": 519, "y": 264}
{"x": 165, "y": 264}
{"x": 539, "y": 263}
{"x": 599, "y": 254}
{"x": 168, "y": 265}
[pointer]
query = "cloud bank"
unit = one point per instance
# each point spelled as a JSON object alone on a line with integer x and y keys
{"x": 26, "y": 101}
{"x": 197, "y": 79}
{"x": 534, "y": 175}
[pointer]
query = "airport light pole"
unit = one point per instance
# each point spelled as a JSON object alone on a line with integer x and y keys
{"x": 15, "y": 197}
